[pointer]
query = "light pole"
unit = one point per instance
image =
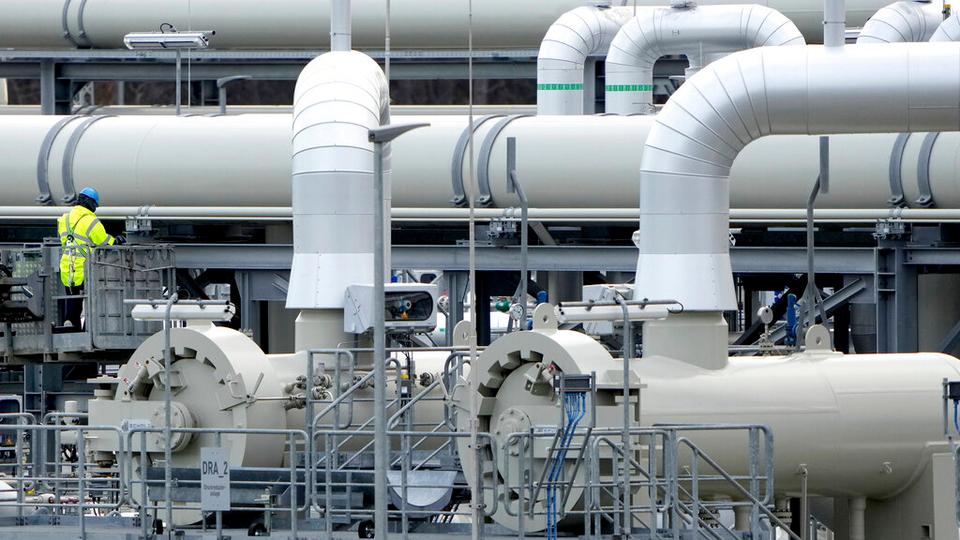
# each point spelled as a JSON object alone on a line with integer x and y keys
{"x": 172, "y": 39}
{"x": 381, "y": 458}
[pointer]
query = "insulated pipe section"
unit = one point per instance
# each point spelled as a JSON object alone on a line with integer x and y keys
{"x": 570, "y": 41}
{"x": 414, "y": 24}
{"x": 129, "y": 158}
{"x": 701, "y": 33}
{"x": 902, "y": 22}
{"x": 949, "y": 29}
{"x": 341, "y": 34}
{"x": 339, "y": 97}
{"x": 689, "y": 153}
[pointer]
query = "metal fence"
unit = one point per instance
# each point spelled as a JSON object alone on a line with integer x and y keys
{"x": 326, "y": 483}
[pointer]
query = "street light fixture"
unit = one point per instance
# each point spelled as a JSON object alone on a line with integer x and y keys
{"x": 381, "y": 457}
{"x": 169, "y": 39}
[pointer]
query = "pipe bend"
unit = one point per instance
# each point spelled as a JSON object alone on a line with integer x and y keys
{"x": 339, "y": 97}
{"x": 568, "y": 43}
{"x": 949, "y": 29}
{"x": 702, "y": 34}
{"x": 907, "y": 21}
{"x": 685, "y": 168}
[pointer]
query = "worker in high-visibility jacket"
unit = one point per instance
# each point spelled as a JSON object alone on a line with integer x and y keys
{"x": 80, "y": 232}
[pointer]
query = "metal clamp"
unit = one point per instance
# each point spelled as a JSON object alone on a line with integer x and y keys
{"x": 69, "y": 191}
{"x": 43, "y": 161}
{"x": 923, "y": 171}
{"x": 459, "y": 155}
{"x": 65, "y": 24}
{"x": 486, "y": 150}
{"x": 897, "y": 197}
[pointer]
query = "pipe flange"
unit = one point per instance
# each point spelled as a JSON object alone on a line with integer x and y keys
{"x": 180, "y": 418}
{"x": 510, "y": 421}
{"x": 502, "y": 372}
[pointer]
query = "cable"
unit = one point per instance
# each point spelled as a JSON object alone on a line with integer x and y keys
{"x": 575, "y": 407}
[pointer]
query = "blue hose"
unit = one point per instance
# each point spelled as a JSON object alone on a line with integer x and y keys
{"x": 574, "y": 407}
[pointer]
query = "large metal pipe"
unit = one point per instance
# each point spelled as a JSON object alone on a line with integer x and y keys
{"x": 690, "y": 151}
{"x": 701, "y": 33}
{"x": 339, "y": 97}
{"x": 341, "y": 37}
{"x": 949, "y": 29}
{"x": 570, "y": 41}
{"x": 414, "y": 24}
{"x": 907, "y": 21}
{"x": 188, "y": 161}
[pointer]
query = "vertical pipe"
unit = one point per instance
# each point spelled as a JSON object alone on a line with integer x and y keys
{"x": 858, "y": 506}
{"x": 379, "y": 354}
{"x": 167, "y": 407}
{"x": 340, "y": 26}
{"x": 741, "y": 518}
{"x": 804, "y": 504}
{"x": 386, "y": 45}
{"x": 834, "y": 23}
{"x": 179, "y": 90}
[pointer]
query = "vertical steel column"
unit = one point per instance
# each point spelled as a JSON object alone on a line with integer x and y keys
{"x": 179, "y": 90}
{"x": 55, "y": 95}
{"x": 168, "y": 409}
{"x": 513, "y": 186}
{"x": 48, "y": 81}
{"x": 456, "y": 287}
{"x": 380, "y": 448}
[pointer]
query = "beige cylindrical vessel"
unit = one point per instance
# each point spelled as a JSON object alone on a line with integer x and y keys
{"x": 863, "y": 425}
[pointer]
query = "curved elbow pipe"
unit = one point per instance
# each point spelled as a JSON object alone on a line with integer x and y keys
{"x": 339, "y": 97}
{"x": 702, "y": 34}
{"x": 685, "y": 169}
{"x": 907, "y": 21}
{"x": 570, "y": 41}
{"x": 949, "y": 29}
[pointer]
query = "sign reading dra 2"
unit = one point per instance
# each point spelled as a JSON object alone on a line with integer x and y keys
{"x": 214, "y": 479}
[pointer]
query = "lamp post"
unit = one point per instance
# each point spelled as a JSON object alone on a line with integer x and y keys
{"x": 381, "y": 458}
{"x": 173, "y": 39}
{"x": 168, "y": 310}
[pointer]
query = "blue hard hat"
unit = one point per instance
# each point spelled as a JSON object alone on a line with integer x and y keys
{"x": 92, "y": 193}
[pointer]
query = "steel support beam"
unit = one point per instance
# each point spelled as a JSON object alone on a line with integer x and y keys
{"x": 772, "y": 260}
{"x": 897, "y": 309}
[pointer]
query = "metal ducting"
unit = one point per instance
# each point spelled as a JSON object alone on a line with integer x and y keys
{"x": 703, "y": 34}
{"x": 294, "y": 23}
{"x": 564, "y": 51}
{"x": 949, "y": 29}
{"x": 339, "y": 97}
{"x": 685, "y": 174}
{"x": 907, "y": 21}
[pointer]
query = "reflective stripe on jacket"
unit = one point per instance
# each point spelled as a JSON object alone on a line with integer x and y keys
{"x": 80, "y": 231}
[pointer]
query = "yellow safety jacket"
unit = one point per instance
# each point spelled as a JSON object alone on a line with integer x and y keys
{"x": 80, "y": 231}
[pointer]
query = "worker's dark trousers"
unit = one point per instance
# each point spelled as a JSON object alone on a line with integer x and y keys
{"x": 73, "y": 307}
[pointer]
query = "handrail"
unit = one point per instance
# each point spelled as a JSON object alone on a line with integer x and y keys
{"x": 757, "y": 502}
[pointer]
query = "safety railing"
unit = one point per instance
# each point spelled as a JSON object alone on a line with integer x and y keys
{"x": 261, "y": 489}
{"x": 660, "y": 486}
{"x": 63, "y": 488}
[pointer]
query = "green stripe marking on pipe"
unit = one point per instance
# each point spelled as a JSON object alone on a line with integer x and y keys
{"x": 557, "y": 86}
{"x": 629, "y": 88}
